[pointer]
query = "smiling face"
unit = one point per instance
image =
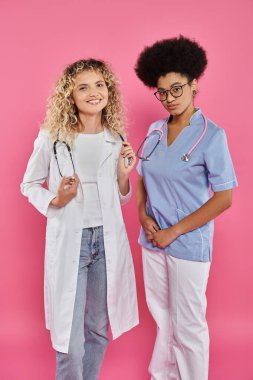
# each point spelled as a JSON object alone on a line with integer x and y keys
{"x": 172, "y": 81}
{"x": 90, "y": 93}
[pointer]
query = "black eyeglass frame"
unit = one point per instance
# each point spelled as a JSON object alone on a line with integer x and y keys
{"x": 148, "y": 156}
{"x": 170, "y": 91}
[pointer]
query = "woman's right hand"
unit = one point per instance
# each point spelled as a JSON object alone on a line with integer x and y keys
{"x": 149, "y": 226}
{"x": 67, "y": 190}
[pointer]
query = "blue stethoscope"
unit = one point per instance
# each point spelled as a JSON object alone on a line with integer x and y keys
{"x": 185, "y": 157}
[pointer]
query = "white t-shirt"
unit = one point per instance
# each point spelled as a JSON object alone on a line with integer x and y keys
{"x": 88, "y": 150}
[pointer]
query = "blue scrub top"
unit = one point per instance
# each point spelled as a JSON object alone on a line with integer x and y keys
{"x": 176, "y": 188}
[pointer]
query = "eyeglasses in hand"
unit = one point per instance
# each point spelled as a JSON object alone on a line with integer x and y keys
{"x": 152, "y": 141}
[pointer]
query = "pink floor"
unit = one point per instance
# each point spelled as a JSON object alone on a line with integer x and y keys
{"x": 28, "y": 355}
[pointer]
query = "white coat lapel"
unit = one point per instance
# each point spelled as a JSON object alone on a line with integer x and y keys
{"x": 107, "y": 146}
{"x": 77, "y": 165}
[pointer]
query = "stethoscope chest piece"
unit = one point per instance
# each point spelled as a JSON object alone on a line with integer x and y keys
{"x": 185, "y": 157}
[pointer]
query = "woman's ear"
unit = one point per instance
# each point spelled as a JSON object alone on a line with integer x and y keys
{"x": 194, "y": 87}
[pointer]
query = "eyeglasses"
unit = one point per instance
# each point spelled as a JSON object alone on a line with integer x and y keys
{"x": 152, "y": 140}
{"x": 175, "y": 91}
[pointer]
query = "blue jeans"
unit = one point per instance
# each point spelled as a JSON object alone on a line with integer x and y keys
{"x": 88, "y": 339}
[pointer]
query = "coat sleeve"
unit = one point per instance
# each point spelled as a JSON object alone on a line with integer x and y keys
{"x": 125, "y": 198}
{"x": 36, "y": 174}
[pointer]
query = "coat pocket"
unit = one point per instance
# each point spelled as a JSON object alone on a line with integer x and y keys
{"x": 49, "y": 275}
{"x": 51, "y": 237}
{"x": 54, "y": 212}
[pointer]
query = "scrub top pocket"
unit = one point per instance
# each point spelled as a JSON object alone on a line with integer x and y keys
{"x": 190, "y": 243}
{"x": 186, "y": 246}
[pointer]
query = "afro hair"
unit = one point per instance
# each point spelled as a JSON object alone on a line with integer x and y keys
{"x": 180, "y": 55}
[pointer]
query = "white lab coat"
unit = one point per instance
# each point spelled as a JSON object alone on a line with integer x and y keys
{"x": 63, "y": 238}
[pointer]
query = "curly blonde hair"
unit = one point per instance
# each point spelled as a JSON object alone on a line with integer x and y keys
{"x": 61, "y": 119}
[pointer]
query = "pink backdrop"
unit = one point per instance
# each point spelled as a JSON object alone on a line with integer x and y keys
{"x": 38, "y": 39}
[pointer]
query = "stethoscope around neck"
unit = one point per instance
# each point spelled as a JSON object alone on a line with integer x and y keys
{"x": 69, "y": 151}
{"x": 186, "y": 156}
{"x": 58, "y": 141}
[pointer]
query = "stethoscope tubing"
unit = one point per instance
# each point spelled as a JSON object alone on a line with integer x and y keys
{"x": 69, "y": 151}
{"x": 187, "y": 155}
{"x": 127, "y": 161}
{"x": 200, "y": 138}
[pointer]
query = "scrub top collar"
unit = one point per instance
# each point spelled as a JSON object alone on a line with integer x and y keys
{"x": 193, "y": 118}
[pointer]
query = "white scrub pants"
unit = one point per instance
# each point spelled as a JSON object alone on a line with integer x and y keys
{"x": 175, "y": 293}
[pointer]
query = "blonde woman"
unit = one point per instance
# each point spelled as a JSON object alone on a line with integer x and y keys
{"x": 89, "y": 275}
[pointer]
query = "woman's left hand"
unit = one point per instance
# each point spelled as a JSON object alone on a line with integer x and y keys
{"x": 126, "y": 153}
{"x": 163, "y": 238}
